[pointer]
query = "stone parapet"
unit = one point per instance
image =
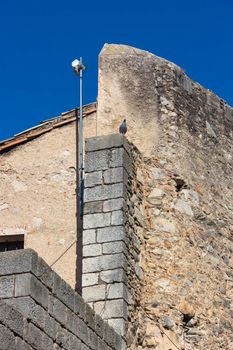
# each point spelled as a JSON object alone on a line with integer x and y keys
{"x": 39, "y": 310}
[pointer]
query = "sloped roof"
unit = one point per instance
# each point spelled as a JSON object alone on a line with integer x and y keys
{"x": 45, "y": 126}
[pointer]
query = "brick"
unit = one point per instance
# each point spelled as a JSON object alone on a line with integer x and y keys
{"x": 113, "y": 175}
{"x": 92, "y": 250}
{"x": 93, "y": 179}
{"x": 90, "y": 279}
{"x": 109, "y": 234}
{"x": 106, "y": 262}
{"x": 96, "y": 161}
{"x": 96, "y": 220}
{"x": 89, "y": 236}
{"x": 7, "y": 339}
{"x": 94, "y": 293}
{"x": 18, "y": 261}
{"x": 113, "y": 204}
{"x": 7, "y": 285}
{"x": 117, "y": 218}
{"x": 103, "y": 192}
{"x": 27, "y": 284}
{"x": 111, "y": 309}
{"x": 114, "y": 247}
{"x": 93, "y": 207}
{"x": 112, "y": 276}
{"x": 11, "y": 318}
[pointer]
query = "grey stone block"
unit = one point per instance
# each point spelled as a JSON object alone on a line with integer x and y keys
{"x": 34, "y": 336}
{"x": 99, "y": 325}
{"x": 51, "y": 326}
{"x": 117, "y": 291}
{"x": 7, "y": 285}
{"x": 7, "y": 339}
{"x": 106, "y": 262}
{"x": 102, "y": 345}
{"x": 94, "y": 293}
{"x": 63, "y": 291}
{"x": 109, "y": 234}
{"x": 11, "y": 318}
{"x": 81, "y": 330}
{"x": 112, "y": 276}
{"x": 63, "y": 338}
{"x": 119, "y": 325}
{"x": 96, "y": 220}
{"x": 79, "y": 306}
{"x": 18, "y": 261}
{"x": 95, "y": 161}
{"x": 92, "y": 339}
{"x": 113, "y": 204}
{"x": 21, "y": 344}
{"x": 104, "y": 142}
{"x": 89, "y": 316}
{"x": 117, "y": 218}
{"x": 113, "y": 175}
{"x": 92, "y": 250}
{"x": 44, "y": 273}
{"x": 114, "y": 247}
{"x": 93, "y": 179}
{"x": 109, "y": 336}
{"x": 90, "y": 279}
{"x": 58, "y": 311}
{"x": 112, "y": 309}
{"x": 75, "y": 343}
{"x": 27, "y": 284}
{"x": 89, "y": 236}
{"x": 93, "y": 207}
{"x": 104, "y": 192}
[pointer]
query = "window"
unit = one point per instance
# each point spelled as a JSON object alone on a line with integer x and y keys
{"x": 11, "y": 242}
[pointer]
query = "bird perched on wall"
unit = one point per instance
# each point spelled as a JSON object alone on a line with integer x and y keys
{"x": 123, "y": 127}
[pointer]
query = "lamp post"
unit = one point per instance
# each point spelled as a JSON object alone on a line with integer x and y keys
{"x": 78, "y": 68}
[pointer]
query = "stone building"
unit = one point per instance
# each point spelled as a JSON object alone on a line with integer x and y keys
{"x": 175, "y": 209}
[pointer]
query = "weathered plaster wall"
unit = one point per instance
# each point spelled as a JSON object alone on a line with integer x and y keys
{"x": 37, "y": 195}
{"x": 185, "y": 134}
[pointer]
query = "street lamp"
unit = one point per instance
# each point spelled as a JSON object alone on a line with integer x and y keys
{"x": 78, "y": 68}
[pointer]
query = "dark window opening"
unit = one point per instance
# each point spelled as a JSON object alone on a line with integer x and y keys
{"x": 11, "y": 243}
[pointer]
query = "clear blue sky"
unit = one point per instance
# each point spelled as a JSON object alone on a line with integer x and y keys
{"x": 40, "y": 38}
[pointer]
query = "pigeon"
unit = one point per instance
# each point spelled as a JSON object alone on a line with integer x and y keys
{"x": 123, "y": 127}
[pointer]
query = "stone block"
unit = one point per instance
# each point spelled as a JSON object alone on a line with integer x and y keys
{"x": 114, "y": 247}
{"x": 63, "y": 291}
{"x": 58, "y": 311}
{"x": 96, "y": 220}
{"x": 117, "y": 218}
{"x": 119, "y": 157}
{"x": 109, "y": 234}
{"x": 51, "y": 326}
{"x": 109, "y": 336}
{"x": 63, "y": 338}
{"x": 18, "y": 261}
{"x": 113, "y": 204}
{"x": 93, "y": 179}
{"x": 95, "y": 161}
{"x": 112, "y": 276}
{"x": 7, "y": 285}
{"x": 113, "y": 175}
{"x": 105, "y": 262}
{"x": 34, "y": 336}
{"x": 89, "y": 236}
{"x": 117, "y": 291}
{"x": 104, "y": 142}
{"x": 7, "y": 339}
{"x": 99, "y": 325}
{"x": 119, "y": 325}
{"x": 81, "y": 330}
{"x": 102, "y": 345}
{"x": 79, "y": 306}
{"x": 21, "y": 344}
{"x": 11, "y": 318}
{"x": 94, "y": 293}
{"x": 92, "y": 250}
{"x": 111, "y": 309}
{"x": 103, "y": 192}
{"x": 92, "y": 339}
{"x": 90, "y": 279}
{"x": 89, "y": 316}
{"x": 44, "y": 273}
{"x": 93, "y": 207}
{"x": 27, "y": 284}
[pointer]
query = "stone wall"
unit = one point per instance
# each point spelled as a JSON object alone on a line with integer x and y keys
{"x": 39, "y": 310}
{"x": 113, "y": 232}
{"x": 185, "y": 134}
